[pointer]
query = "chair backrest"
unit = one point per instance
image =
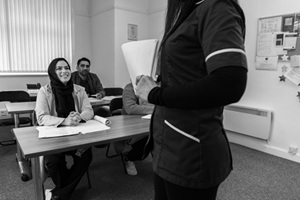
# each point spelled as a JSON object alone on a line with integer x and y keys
{"x": 113, "y": 91}
{"x": 33, "y": 86}
{"x": 14, "y": 96}
{"x": 116, "y": 106}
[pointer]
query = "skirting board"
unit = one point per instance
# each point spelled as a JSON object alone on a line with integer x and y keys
{"x": 261, "y": 145}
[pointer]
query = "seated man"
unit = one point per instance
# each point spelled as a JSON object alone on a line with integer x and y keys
{"x": 88, "y": 80}
{"x": 91, "y": 83}
{"x": 132, "y": 148}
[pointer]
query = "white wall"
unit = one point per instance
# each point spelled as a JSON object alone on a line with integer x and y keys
{"x": 264, "y": 88}
{"x": 109, "y": 20}
{"x": 123, "y": 18}
{"x": 103, "y": 47}
{"x": 82, "y": 31}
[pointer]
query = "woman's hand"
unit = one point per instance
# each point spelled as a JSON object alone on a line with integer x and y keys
{"x": 73, "y": 119}
{"x": 144, "y": 85}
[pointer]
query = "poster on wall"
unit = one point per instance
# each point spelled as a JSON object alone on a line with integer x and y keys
{"x": 277, "y": 41}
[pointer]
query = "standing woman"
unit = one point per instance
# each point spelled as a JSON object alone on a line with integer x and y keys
{"x": 62, "y": 103}
{"x": 203, "y": 67}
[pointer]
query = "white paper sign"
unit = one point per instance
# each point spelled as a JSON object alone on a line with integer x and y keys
{"x": 140, "y": 57}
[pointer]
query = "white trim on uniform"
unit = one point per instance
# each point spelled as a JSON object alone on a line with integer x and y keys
{"x": 199, "y": 2}
{"x": 182, "y": 132}
{"x": 224, "y": 51}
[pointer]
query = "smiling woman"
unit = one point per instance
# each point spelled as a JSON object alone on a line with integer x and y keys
{"x": 62, "y": 103}
{"x": 63, "y": 71}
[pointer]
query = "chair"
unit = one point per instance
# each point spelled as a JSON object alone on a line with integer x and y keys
{"x": 14, "y": 96}
{"x": 113, "y": 91}
{"x": 116, "y": 106}
{"x": 32, "y": 89}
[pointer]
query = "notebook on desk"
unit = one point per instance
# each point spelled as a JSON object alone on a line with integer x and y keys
{"x": 83, "y": 128}
{"x": 140, "y": 57}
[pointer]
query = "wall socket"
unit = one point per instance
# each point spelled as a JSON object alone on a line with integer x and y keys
{"x": 293, "y": 150}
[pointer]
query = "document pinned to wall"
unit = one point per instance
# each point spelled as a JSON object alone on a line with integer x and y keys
{"x": 277, "y": 36}
{"x": 140, "y": 57}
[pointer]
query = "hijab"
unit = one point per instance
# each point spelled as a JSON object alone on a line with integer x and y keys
{"x": 64, "y": 102}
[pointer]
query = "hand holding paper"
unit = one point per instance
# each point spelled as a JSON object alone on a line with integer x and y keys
{"x": 144, "y": 86}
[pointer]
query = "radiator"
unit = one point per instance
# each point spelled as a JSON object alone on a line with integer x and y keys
{"x": 248, "y": 121}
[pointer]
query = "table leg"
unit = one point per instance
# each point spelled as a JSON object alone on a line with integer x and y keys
{"x": 23, "y": 163}
{"x": 37, "y": 177}
{"x": 16, "y": 118}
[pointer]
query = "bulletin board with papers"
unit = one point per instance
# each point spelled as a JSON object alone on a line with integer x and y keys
{"x": 278, "y": 45}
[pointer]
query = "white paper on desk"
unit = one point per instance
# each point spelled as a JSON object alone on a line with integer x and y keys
{"x": 147, "y": 116}
{"x": 93, "y": 100}
{"x": 102, "y": 120}
{"x": 53, "y": 131}
{"x": 90, "y": 126}
{"x": 109, "y": 98}
{"x": 87, "y": 127}
{"x": 140, "y": 58}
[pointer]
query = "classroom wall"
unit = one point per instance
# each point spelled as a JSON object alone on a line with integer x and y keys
{"x": 102, "y": 18}
{"x": 109, "y": 19}
{"x": 264, "y": 90}
{"x": 124, "y": 16}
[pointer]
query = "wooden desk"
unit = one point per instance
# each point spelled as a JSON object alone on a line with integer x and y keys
{"x": 122, "y": 127}
{"x": 18, "y": 108}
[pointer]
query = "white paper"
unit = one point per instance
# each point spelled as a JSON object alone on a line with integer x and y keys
{"x": 147, "y": 116}
{"x": 293, "y": 75}
{"x": 140, "y": 58}
{"x": 270, "y": 25}
{"x": 266, "y": 45}
{"x": 109, "y": 98}
{"x": 103, "y": 120}
{"x": 87, "y": 127}
{"x": 295, "y": 61}
{"x": 290, "y": 40}
{"x": 267, "y": 63}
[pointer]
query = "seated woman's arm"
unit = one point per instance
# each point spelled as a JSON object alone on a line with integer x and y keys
{"x": 85, "y": 109}
{"x": 44, "y": 111}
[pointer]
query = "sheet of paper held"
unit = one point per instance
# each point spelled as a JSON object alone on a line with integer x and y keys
{"x": 88, "y": 127}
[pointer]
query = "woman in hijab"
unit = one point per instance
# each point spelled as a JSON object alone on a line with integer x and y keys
{"x": 62, "y": 103}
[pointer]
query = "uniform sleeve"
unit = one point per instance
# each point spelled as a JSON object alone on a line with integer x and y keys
{"x": 221, "y": 33}
{"x": 224, "y": 86}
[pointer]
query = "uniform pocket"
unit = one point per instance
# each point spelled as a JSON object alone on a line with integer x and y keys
{"x": 182, "y": 132}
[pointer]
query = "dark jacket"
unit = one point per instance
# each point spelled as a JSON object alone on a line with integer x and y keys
{"x": 93, "y": 81}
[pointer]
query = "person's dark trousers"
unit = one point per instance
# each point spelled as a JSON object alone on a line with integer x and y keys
{"x": 65, "y": 179}
{"x": 165, "y": 190}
